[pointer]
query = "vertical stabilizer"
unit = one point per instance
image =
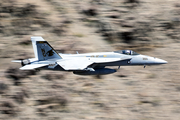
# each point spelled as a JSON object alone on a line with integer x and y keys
{"x": 43, "y": 50}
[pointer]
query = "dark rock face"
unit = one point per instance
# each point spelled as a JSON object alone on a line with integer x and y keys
{"x": 90, "y": 12}
{"x": 127, "y": 36}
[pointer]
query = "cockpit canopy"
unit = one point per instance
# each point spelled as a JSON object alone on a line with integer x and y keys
{"x": 126, "y": 52}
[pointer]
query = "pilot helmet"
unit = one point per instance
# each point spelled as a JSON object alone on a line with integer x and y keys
{"x": 128, "y": 52}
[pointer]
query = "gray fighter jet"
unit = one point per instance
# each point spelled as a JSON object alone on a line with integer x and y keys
{"x": 83, "y": 64}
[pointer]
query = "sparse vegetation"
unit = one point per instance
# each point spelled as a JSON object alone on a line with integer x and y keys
{"x": 78, "y": 35}
{"x": 133, "y": 93}
{"x": 151, "y": 76}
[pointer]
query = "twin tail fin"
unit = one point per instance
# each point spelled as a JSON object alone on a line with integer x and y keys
{"x": 43, "y": 50}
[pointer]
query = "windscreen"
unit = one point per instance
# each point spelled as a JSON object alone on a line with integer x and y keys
{"x": 126, "y": 52}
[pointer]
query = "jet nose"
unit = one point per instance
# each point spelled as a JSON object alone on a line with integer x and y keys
{"x": 160, "y": 61}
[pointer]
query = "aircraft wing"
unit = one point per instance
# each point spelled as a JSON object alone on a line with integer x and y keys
{"x": 107, "y": 60}
{"x": 82, "y": 63}
{"x": 74, "y": 64}
{"x": 32, "y": 66}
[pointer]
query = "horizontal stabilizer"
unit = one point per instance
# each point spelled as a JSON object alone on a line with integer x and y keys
{"x": 17, "y": 61}
{"x": 32, "y": 66}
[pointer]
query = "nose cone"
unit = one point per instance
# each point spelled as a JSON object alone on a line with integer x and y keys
{"x": 159, "y": 61}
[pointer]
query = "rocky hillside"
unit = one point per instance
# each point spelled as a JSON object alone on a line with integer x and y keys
{"x": 133, "y": 93}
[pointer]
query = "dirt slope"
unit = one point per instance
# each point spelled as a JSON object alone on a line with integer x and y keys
{"x": 133, "y": 93}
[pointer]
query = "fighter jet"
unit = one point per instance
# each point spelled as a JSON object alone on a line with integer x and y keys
{"x": 83, "y": 64}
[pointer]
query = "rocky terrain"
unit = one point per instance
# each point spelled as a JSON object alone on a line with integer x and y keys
{"x": 133, "y": 93}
